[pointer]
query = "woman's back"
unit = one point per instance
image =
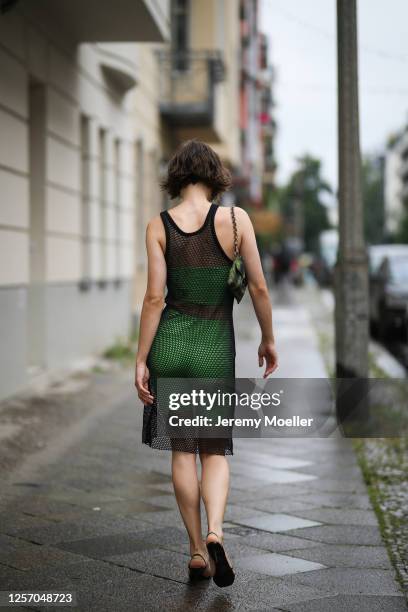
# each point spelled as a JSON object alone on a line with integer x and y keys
{"x": 197, "y": 269}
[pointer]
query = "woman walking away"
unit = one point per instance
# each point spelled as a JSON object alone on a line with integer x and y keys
{"x": 190, "y": 250}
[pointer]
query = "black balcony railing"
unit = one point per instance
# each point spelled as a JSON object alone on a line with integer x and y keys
{"x": 187, "y": 86}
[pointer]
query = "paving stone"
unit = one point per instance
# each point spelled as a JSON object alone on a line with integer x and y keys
{"x": 259, "y": 595}
{"x": 281, "y": 504}
{"x": 334, "y": 516}
{"x": 163, "y": 563}
{"x": 328, "y": 469}
{"x": 275, "y": 564}
{"x": 336, "y": 500}
{"x": 271, "y": 475}
{"x": 25, "y": 556}
{"x": 277, "y": 522}
{"x": 269, "y": 459}
{"x": 332, "y": 485}
{"x": 86, "y": 573}
{"x": 364, "y": 535}
{"x": 12, "y": 522}
{"x": 83, "y": 527}
{"x": 276, "y": 542}
{"x": 120, "y": 544}
{"x": 350, "y": 603}
{"x": 337, "y": 555}
{"x": 351, "y": 581}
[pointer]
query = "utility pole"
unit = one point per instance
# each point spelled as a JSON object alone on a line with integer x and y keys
{"x": 351, "y": 274}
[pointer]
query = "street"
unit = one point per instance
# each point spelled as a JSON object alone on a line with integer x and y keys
{"x": 93, "y": 513}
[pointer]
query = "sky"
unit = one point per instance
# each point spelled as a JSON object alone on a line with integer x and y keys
{"x": 302, "y": 48}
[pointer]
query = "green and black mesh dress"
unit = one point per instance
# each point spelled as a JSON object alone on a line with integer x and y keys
{"x": 195, "y": 337}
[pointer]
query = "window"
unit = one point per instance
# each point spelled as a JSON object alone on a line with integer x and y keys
{"x": 85, "y": 201}
{"x": 180, "y": 34}
{"x": 103, "y": 251}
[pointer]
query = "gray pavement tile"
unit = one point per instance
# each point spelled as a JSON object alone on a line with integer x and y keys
{"x": 274, "y": 564}
{"x": 350, "y": 581}
{"x": 157, "y": 562}
{"x": 277, "y": 522}
{"x": 164, "y": 518}
{"x": 168, "y": 502}
{"x": 252, "y": 595}
{"x": 13, "y": 521}
{"x": 338, "y": 555}
{"x": 44, "y": 506}
{"x": 334, "y": 485}
{"x": 132, "y": 507}
{"x": 279, "y": 490}
{"x": 269, "y": 460}
{"x": 329, "y": 469}
{"x": 123, "y": 543}
{"x": 336, "y": 500}
{"x": 9, "y": 577}
{"x": 364, "y": 535}
{"x": 350, "y": 603}
{"x": 25, "y": 556}
{"x": 90, "y": 525}
{"x": 345, "y": 516}
{"x": 281, "y": 504}
{"x": 275, "y": 542}
{"x": 234, "y": 512}
{"x": 84, "y": 573}
{"x": 268, "y": 474}
{"x": 86, "y": 499}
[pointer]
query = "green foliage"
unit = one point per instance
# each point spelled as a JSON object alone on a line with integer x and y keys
{"x": 402, "y": 234}
{"x": 123, "y": 350}
{"x": 302, "y": 200}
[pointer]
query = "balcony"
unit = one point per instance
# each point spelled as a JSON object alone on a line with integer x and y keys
{"x": 104, "y": 20}
{"x": 188, "y": 92}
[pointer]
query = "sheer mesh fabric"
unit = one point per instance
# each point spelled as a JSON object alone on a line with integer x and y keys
{"x": 195, "y": 336}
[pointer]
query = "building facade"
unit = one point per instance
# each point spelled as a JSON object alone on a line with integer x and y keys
{"x": 257, "y": 128}
{"x": 199, "y": 77}
{"x": 396, "y": 181}
{"x": 70, "y": 155}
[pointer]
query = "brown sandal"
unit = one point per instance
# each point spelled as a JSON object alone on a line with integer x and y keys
{"x": 197, "y": 573}
{"x": 224, "y": 574}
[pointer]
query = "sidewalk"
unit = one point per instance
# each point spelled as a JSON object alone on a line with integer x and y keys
{"x": 95, "y": 515}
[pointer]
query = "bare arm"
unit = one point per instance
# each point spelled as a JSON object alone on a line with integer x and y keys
{"x": 258, "y": 290}
{"x": 152, "y": 305}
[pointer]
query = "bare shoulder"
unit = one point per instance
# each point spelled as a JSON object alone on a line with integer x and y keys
{"x": 242, "y": 215}
{"x": 155, "y": 226}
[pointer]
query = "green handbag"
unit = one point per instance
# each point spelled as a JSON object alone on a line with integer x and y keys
{"x": 237, "y": 280}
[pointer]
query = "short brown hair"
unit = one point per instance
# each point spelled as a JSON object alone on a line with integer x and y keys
{"x": 196, "y": 162}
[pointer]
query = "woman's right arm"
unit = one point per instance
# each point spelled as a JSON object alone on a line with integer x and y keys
{"x": 258, "y": 290}
{"x": 152, "y": 304}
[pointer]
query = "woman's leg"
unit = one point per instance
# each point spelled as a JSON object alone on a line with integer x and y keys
{"x": 214, "y": 489}
{"x": 187, "y": 491}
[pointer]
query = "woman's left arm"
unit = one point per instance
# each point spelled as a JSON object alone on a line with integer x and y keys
{"x": 152, "y": 304}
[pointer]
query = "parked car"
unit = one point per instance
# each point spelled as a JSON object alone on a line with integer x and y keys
{"x": 388, "y": 267}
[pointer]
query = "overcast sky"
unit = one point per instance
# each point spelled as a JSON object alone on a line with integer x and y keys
{"x": 303, "y": 50}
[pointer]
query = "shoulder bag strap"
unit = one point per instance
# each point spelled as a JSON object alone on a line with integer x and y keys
{"x": 234, "y": 228}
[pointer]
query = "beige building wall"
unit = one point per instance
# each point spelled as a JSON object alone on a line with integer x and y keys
{"x": 71, "y": 118}
{"x": 148, "y": 155}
